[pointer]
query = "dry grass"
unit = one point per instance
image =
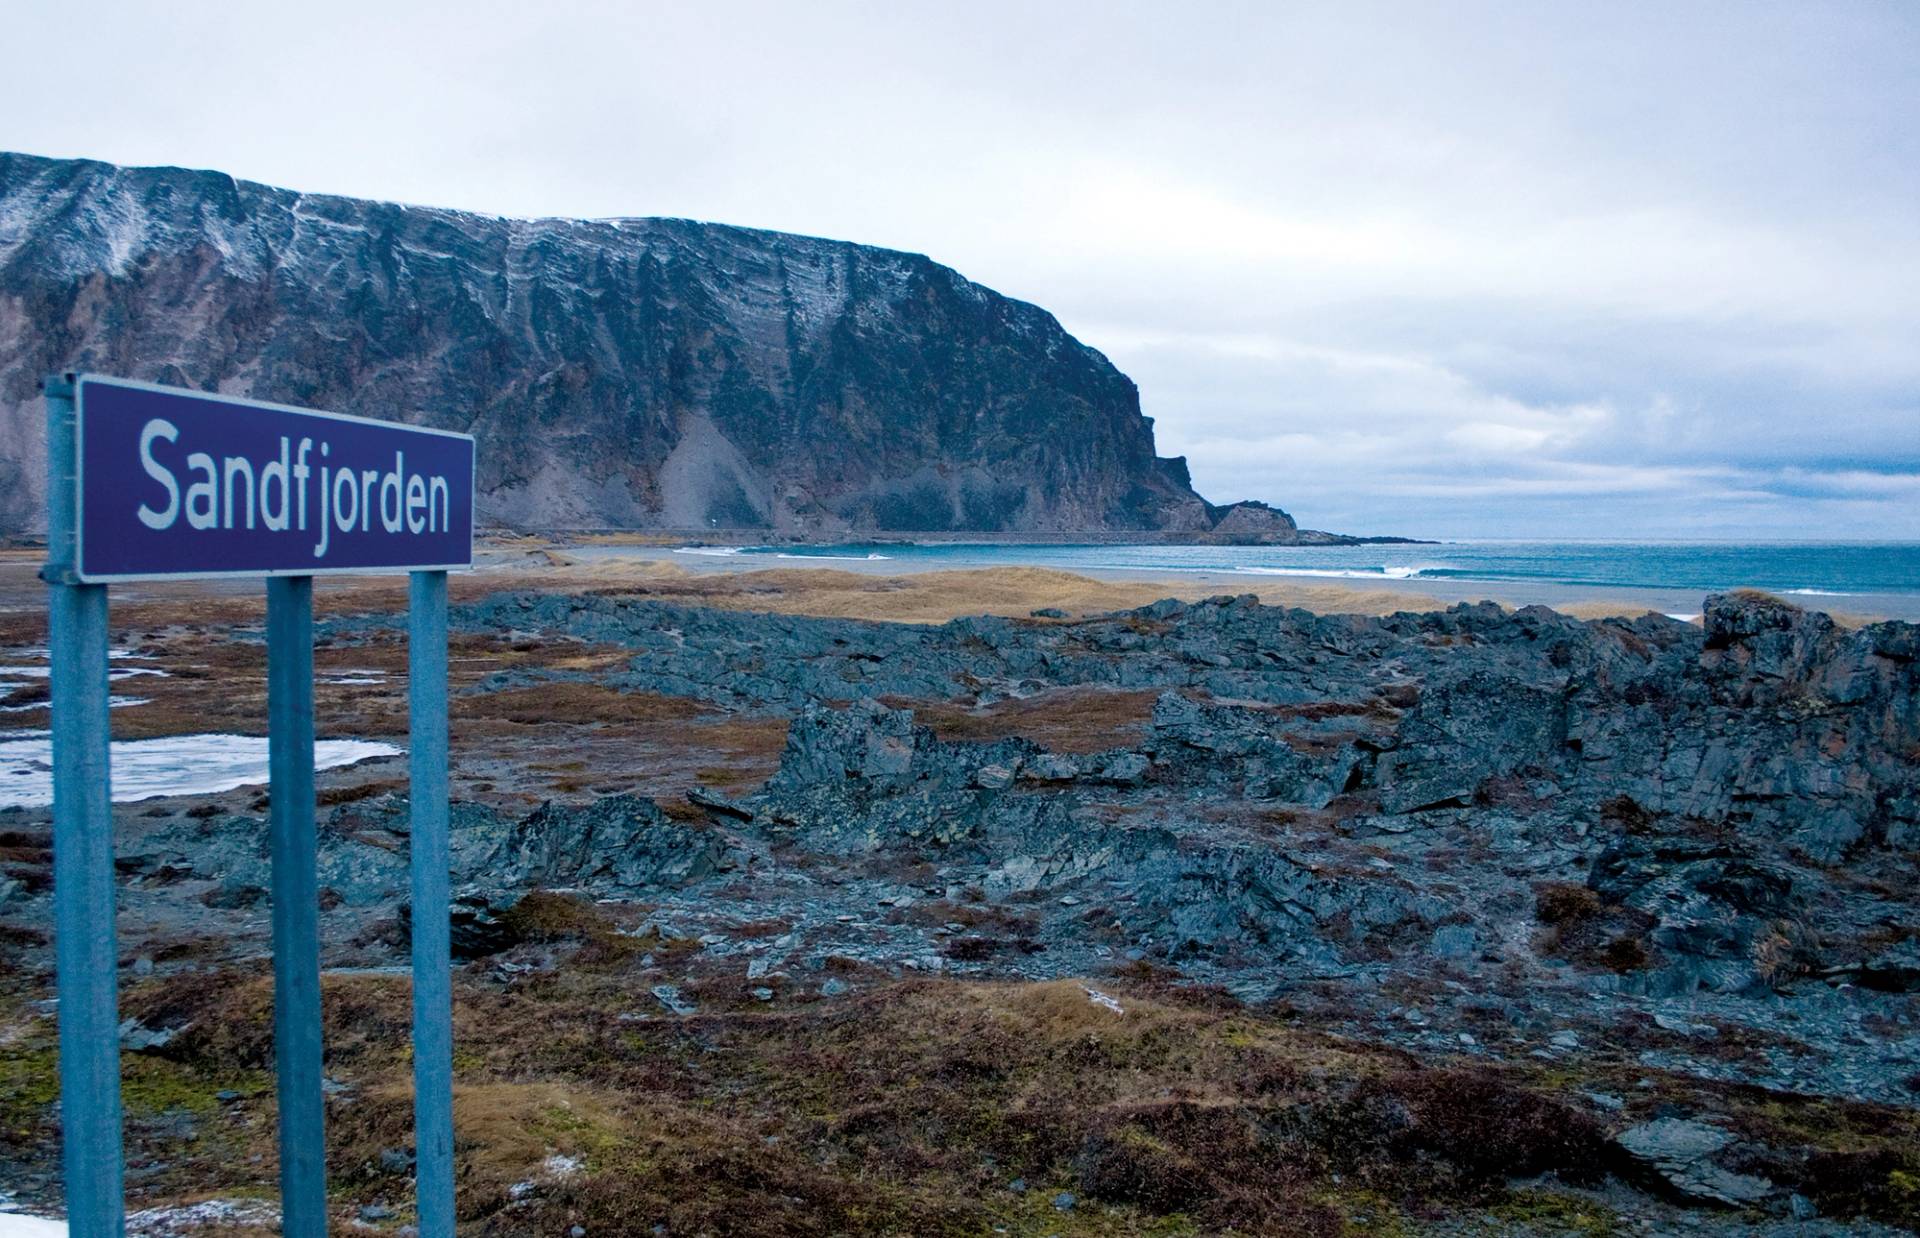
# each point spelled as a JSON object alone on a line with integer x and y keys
{"x": 1065, "y": 720}
{"x": 563, "y": 736}
{"x": 935, "y": 597}
{"x": 541, "y": 564}
{"x": 1577, "y": 925}
{"x": 900, "y": 1108}
{"x": 580, "y": 703}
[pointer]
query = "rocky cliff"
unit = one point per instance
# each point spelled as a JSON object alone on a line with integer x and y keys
{"x": 620, "y": 372}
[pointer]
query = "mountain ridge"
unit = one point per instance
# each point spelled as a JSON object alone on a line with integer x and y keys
{"x": 628, "y": 372}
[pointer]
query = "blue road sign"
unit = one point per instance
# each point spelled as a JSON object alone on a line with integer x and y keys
{"x": 147, "y": 483}
{"x": 174, "y": 483}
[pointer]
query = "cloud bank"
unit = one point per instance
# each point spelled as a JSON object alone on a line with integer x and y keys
{"x": 1465, "y": 270}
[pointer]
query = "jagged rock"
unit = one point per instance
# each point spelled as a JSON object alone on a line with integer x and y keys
{"x": 868, "y": 777}
{"x": 866, "y": 744}
{"x": 1051, "y": 767}
{"x": 1679, "y": 1152}
{"x": 477, "y": 923}
{"x": 1557, "y": 820}
{"x": 620, "y": 844}
{"x": 139, "y": 1038}
{"x": 725, "y": 805}
{"x": 1119, "y": 769}
{"x": 1468, "y": 727}
{"x": 1259, "y": 753}
{"x": 993, "y": 777}
{"x": 668, "y": 995}
{"x": 1721, "y": 922}
{"x": 1895, "y": 970}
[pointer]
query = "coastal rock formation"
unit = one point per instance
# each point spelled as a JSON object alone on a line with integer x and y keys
{"x": 618, "y": 373}
{"x": 1701, "y": 783}
{"x": 1665, "y": 872}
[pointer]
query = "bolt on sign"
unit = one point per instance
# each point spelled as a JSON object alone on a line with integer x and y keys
{"x": 156, "y": 483}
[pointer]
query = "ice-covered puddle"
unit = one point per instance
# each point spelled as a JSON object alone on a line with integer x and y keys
{"x": 170, "y": 1222}
{"x": 113, "y": 702}
{"x": 173, "y": 765}
{"x": 41, "y": 672}
{"x": 352, "y": 675}
{"x": 14, "y": 676}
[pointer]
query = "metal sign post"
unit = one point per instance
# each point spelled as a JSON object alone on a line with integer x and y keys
{"x": 296, "y": 908}
{"x": 432, "y": 978}
{"x": 155, "y": 483}
{"x": 86, "y": 957}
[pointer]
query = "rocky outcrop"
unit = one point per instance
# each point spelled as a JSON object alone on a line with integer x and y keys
{"x": 615, "y": 846}
{"x": 1701, "y": 782}
{"x": 1678, "y": 1153}
{"x": 1465, "y": 832}
{"x": 620, "y": 372}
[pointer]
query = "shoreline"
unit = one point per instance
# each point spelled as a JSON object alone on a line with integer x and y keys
{"x": 1324, "y": 593}
{"x": 906, "y": 589}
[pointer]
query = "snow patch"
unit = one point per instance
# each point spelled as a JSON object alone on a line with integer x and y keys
{"x": 174, "y": 765}
{"x": 180, "y": 1220}
{"x": 353, "y": 675}
{"x": 124, "y": 672}
{"x": 118, "y": 702}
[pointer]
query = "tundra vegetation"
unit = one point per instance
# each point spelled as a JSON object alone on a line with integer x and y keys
{"x": 1147, "y": 917}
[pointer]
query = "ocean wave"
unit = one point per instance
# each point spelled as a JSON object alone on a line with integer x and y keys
{"x": 1818, "y": 593}
{"x": 715, "y": 551}
{"x": 834, "y": 558}
{"x": 1386, "y": 572}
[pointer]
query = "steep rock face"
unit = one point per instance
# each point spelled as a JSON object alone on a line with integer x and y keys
{"x": 630, "y": 372}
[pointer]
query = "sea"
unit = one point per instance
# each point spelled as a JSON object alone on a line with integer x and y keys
{"x": 1866, "y": 578}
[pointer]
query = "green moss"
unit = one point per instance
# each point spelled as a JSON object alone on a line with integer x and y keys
{"x": 30, "y": 1087}
{"x": 1904, "y": 1189}
{"x": 1557, "y": 1213}
{"x": 29, "y": 1083}
{"x": 594, "y": 1140}
{"x": 1033, "y": 1213}
{"x": 1366, "y": 1212}
{"x": 151, "y": 1085}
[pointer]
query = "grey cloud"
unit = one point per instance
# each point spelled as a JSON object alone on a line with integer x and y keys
{"x": 1463, "y": 269}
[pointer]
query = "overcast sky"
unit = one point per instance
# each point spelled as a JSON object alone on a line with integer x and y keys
{"x": 1445, "y": 269}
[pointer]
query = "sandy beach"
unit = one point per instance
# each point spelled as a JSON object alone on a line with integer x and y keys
{"x": 909, "y": 590}
{"x": 903, "y": 590}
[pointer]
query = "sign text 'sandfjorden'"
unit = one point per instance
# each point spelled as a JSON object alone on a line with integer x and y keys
{"x": 180, "y": 484}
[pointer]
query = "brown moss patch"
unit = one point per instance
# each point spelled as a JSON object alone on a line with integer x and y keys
{"x": 908, "y": 1106}
{"x": 1078, "y": 720}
